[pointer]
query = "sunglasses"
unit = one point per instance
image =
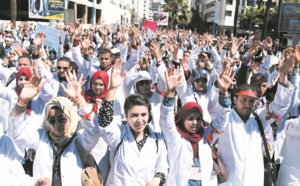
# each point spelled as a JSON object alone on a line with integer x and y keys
{"x": 200, "y": 80}
{"x": 62, "y": 120}
{"x": 64, "y": 68}
{"x": 143, "y": 82}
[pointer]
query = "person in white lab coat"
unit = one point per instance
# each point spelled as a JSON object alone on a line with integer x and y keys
{"x": 138, "y": 155}
{"x": 56, "y": 157}
{"x": 289, "y": 169}
{"x": 190, "y": 156}
{"x": 11, "y": 170}
{"x": 240, "y": 143}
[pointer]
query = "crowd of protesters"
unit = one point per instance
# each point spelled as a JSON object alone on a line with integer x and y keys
{"x": 147, "y": 107}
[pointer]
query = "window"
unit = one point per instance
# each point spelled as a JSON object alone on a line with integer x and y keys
{"x": 229, "y": 2}
{"x": 228, "y": 13}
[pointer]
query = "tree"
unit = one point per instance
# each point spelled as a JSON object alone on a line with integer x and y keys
{"x": 179, "y": 13}
{"x": 266, "y": 20}
{"x": 13, "y": 11}
{"x": 236, "y": 15}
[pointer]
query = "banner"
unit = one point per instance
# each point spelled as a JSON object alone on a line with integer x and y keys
{"x": 46, "y": 9}
{"x": 161, "y": 18}
{"x": 51, "y": 39}
{"x": 290, "y": 18}
{"x": 150, "y": 26}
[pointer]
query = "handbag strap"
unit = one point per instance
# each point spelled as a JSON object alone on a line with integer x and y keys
{"x": 262, "y": 133}
{"x": 213, "y": 149}
{"x": 81, "y": 153}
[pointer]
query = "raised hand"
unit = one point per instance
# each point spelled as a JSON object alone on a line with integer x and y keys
{"x": 116, "y": 78}
{"x": 285, "y": 68}
{"x": 225, "y": 79}
{"x": 155, "y": 50}
{"x": 297, "y": 53}
{"x": 86, "y": 42}
{"x": 39, "y": 40}
{"x": 35, "y": 69}
{"x": 43, "y": 182}
{"x": 74, "y": 86}
{"x": 18, "y": 49}
{"x": 32, "y": 88}
{"x": 173, "y": 80}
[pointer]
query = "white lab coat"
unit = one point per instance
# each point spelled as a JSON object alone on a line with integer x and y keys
{"x": 240, "y": 144}
{"x": 181, "y": 153}
{"x": 71, "y": 166}
{"x": 11, "y": 170}
{"x": 129, "y": 166}
{"x": 289, "y": 172}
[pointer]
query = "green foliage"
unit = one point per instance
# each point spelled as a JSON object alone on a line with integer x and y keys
{"x": 179, "y": 13}
{"x": 258, "y": 18}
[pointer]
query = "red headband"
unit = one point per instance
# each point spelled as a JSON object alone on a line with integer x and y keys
{"x": 247, "y": 93}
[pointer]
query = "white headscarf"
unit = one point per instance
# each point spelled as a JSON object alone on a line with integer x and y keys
{"x": 67, "y": 107}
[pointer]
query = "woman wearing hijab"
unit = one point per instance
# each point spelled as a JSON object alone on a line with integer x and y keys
{"x": 190, "y": 157}
{"x": 56, "y": 155}
{"x": 98, "y": 89}
{"x": 95, "y": 95}
{"x": 34, "y": 107}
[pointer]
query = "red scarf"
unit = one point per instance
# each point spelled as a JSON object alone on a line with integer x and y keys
{"x": 27, "y": 72}
{"x": 89, "y": 95}
{"x": 181, "y": 116}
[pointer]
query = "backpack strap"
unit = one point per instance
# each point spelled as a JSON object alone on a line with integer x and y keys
{"x": 82, "y": 154}
{"x": 156, "y": 142}
{"x": 118, "y": 146}
{"x": 262, "y": 133}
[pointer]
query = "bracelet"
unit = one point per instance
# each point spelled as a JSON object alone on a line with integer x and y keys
{"x": 23, "y": 102}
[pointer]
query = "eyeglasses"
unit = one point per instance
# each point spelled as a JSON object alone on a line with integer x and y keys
{"x": 143, "y": 82}
{"x": 62, "y": 120}
{"x": 64, "y": 68}
{"x": 200, "y": 80}
{"x": 98, "y": 84}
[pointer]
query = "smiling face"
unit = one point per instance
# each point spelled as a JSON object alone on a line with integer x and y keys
{"x": 137, "y": 118}
{"x": 193, "y": 122}
{"x": 59, "y": 123}
{"x": 98, "y": 86}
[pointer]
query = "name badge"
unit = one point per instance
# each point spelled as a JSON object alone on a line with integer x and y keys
{"x": 195, "y": 173}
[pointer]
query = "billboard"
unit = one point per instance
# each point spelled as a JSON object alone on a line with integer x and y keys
{"x": 46, "y": 9}
{"x": 161, "y": 18}
{"x": 290, "y": 18}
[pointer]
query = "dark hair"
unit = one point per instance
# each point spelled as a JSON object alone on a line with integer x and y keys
{"x": 66, "y": 59}
{"x": 137, "y": 100}
{"x": 259, "y": 77}
{"x": 104, "y": 51}
{"x": 91, "y": 48}
{"x": 26, "y": 56}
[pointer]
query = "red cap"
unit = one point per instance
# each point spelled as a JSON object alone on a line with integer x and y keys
{"x": 247, "y": 93}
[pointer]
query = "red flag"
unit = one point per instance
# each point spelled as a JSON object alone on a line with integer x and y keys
{"x": 150, "y": 24}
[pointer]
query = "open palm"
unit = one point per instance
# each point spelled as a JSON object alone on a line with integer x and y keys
{"x": 74, "y": 86}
